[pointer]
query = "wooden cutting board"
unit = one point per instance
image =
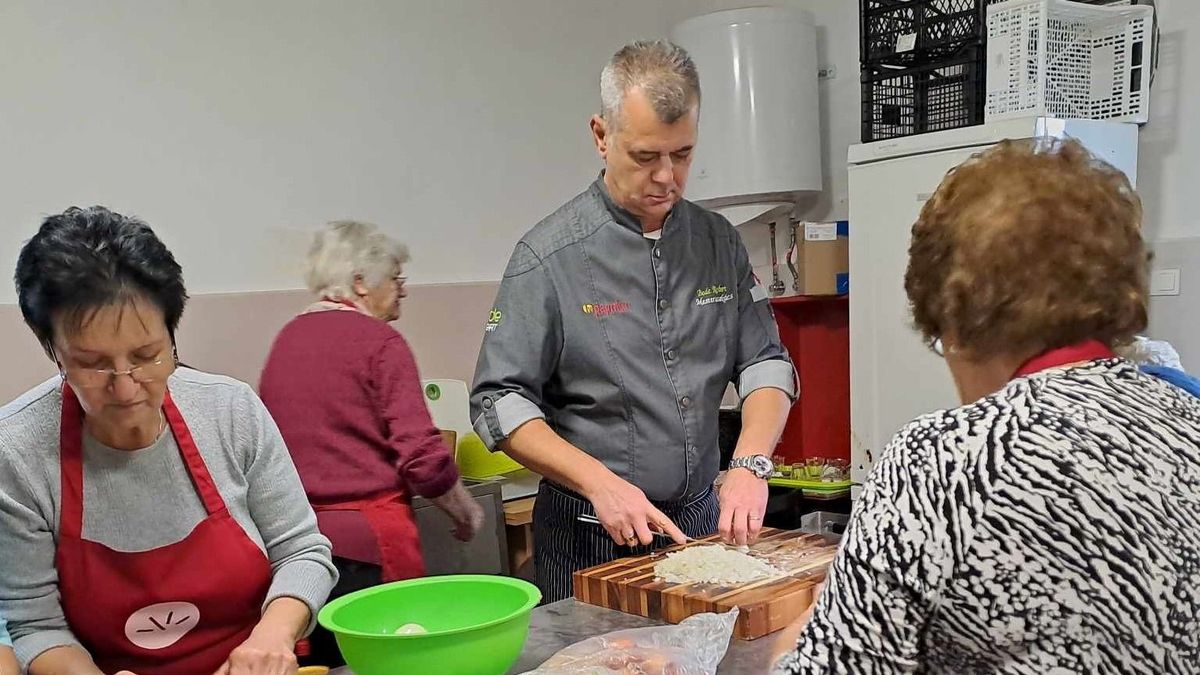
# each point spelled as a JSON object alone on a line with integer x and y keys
{"x": 629, "y": 585}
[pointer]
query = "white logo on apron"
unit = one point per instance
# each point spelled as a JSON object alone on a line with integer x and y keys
{"x": 162, "y": 625}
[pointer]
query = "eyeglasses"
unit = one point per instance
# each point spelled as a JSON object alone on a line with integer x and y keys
{"x": 936, "y": 346}
{"x": 400, "y": 280}
{"x": 98, "y": 378}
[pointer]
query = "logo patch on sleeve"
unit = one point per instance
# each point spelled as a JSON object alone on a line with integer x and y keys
{"x": 493, "y": 321}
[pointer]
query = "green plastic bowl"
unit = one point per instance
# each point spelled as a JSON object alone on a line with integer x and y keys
{"x": 477, "y": 625}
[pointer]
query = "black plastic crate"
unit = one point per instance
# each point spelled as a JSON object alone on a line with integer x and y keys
{"x": 917, "y": 32}
{"x": 900, "y": 102}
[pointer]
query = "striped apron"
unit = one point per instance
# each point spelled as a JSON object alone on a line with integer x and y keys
{"x": 563, "y": 545}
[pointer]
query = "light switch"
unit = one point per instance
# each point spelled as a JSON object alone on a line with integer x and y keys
{"x": 1164, "y": 281}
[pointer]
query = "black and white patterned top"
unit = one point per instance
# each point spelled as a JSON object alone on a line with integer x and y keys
{"x": 1051, "y": 528}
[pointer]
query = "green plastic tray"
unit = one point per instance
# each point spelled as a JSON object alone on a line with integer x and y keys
{"x": 810, "y": 485}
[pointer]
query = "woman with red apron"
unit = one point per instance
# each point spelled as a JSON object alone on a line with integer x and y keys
{"x": 152, "y": 520}
{"x": 344, "y": 389}
{"x": 180, "y": 617}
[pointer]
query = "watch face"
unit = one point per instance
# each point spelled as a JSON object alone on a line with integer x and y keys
{"x": 762, "y": 466}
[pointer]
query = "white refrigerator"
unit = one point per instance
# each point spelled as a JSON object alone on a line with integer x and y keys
{"x": 894, "y": 377}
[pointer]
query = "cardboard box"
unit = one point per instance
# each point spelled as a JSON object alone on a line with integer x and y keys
{"x": 822, "y": 258}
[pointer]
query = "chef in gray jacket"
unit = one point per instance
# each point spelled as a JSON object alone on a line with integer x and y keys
{"x": 620, "y": 321}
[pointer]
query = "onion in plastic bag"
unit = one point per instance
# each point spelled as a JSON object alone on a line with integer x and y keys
{"x": 694, "y": 647}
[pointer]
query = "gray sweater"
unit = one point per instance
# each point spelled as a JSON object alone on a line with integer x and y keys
{"x": 144, "y": 499}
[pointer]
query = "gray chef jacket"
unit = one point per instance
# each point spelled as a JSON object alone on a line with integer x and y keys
{"x": 625, "y": 345}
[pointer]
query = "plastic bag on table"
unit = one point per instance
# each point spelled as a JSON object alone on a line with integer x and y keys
{"x": 694, "y": 647}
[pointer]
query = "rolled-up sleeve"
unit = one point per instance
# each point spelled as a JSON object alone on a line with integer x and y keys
{"x": 762, "y": 361}
{"x": 521, "y": 345}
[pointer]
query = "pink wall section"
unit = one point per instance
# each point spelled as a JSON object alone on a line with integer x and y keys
{"x": 22, "y": 362}
{"x": 231, "y": 333}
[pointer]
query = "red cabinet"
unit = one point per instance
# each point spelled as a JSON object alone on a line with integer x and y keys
{"x": 816, "y": 332}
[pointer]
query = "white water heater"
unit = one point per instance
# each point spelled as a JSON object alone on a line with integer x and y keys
{"x": 760, "y": 133}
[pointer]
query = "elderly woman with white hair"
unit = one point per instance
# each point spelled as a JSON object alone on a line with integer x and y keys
{"x": 344, "y": 389}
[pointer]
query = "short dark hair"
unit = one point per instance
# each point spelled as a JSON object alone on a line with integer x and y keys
{"x": 85, "y": 259}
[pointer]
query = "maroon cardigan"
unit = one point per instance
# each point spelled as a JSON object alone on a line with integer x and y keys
{"x": 344, "y": 389}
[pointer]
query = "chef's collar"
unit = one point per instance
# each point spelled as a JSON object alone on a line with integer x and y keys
{"x": 623, "y": 216}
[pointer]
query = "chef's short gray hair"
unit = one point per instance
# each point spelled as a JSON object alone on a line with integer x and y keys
{"x": 664, "y": 71}
{"x": 347, "y": 249}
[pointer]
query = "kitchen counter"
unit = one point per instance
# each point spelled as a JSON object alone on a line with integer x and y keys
{"x": 564, "y": 623}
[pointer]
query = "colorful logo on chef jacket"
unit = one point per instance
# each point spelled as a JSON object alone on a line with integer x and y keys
{"x": 493, "y": 320}
{"x": 601, "y": 309}
{"x": 162, "y": 625}
{"x": 712, "y": 295}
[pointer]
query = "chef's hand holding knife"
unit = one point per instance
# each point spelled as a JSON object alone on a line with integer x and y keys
{"x": 627, "y": 514}
{"x": 621, "y": 507}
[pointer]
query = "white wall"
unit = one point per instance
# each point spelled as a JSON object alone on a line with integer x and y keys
{"x": 1169, "y": 162}
{"x": 1169, "y": 166}
{"x": 235, "y": 128}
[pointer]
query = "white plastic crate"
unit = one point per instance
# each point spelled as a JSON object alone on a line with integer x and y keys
{"x": 1065, "y": 59}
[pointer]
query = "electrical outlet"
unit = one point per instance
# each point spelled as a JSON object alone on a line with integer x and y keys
{"x": 827, "y": 73}
{"x": 1164, "y": 281}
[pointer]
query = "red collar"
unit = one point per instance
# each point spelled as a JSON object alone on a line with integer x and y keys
{"x": 1091, "y": 350}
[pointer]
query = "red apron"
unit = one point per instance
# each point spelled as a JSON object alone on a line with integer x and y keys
{"x": 176, "y": 610}
{"x": 391, "y": 520}
{"x": 1092, "y": 350}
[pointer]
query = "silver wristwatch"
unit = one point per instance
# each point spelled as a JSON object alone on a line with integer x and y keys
{"x": 759, "y": 465}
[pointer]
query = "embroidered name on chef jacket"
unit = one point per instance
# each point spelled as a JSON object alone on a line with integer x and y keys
{"x": 713, "y": 295}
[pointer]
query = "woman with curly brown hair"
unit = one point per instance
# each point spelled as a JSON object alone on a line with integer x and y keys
{"x": 1050, "y": 524}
